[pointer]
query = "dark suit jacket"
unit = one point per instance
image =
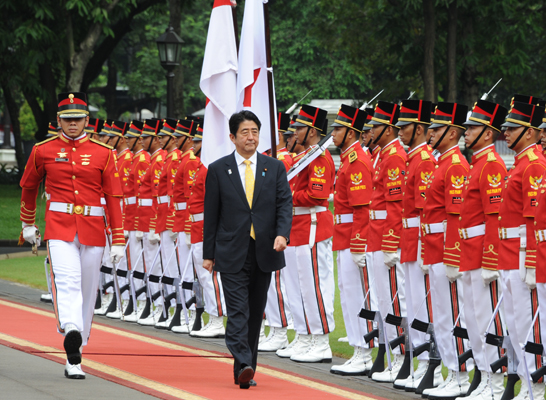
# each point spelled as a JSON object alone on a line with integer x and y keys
{"x": 228, "y": 216}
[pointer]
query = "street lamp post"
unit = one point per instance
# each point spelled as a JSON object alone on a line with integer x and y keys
{"x": 169, "y": 45}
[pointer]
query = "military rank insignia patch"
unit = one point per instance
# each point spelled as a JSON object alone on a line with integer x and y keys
{"x": 494, "y": 180}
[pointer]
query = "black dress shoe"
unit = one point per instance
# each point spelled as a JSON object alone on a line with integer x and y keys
{"x": 245, "y": 376}
{"x": 251, "y": 383}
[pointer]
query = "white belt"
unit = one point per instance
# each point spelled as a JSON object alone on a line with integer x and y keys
{"x": 378, "y": 214}
{"x": 343, "y": 218}
{"x": 514, "y": 233}
{"x": 70, "y": 208}
{"x": 103, "y": 201}
{"x": 145, "y": 202}
{"x": 180, "y": 206}
{"x": 163, "y": 199}
{"x": 472, "y": 232}
{"x": 130, "y": 200}
{"x": 540, "y": 235}
{"x": 308, "y": 210}
{"x": 433, "y": 228}
{"x": 411, "y": 222}
{"x": 197, "y": 217}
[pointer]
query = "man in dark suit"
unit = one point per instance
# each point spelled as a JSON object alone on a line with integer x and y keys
{"x": 248, "y": 216}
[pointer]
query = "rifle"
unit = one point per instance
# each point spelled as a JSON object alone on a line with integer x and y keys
{"x": 533, "y": 348}
{"x": 366, "y": 103}
{"x": 486, "y": 95}
{"x": 314, "y": 152}
{"x": 291, "y": 109}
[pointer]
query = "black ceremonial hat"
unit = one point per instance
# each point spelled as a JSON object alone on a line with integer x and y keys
{"x": 385, "y": 114}
{"x": 449, "y": 114}
{"x": 311, "y": 116}
{"x": 351, "y": 117}
{"x": 72, "y": 105}
{"x": 414, "y": 111}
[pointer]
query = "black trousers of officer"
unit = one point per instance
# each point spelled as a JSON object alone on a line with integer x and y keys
{"x": 245, "y": 293}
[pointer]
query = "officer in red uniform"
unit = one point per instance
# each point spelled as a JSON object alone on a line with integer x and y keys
{"x": 414, "y": 121}
{"x": 276, "y": 309}
{"x": 386, "y": 226}
{"x": 79, "y": 170}
{"x": 352, "y": 194}
{"x": 480, "y": 247}
{"x": 442, "y": 246}
{"x": 517, "y": 249}
{"x": 311, "y": 235}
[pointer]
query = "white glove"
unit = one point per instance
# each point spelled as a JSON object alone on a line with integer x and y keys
{"x": 359, "y": 259}
{"x": 331, "y": 198}
{"x": 188, "y": 239}
{"x": 29, "y": 234}
{"x": 126, "y": 234}
{"x": 424, "y": 267}
{"x": 173, "y": 235}
{"x": 489, "y": 275}
{"x": 153, "y": 237}
{"x": 390, "y": 259}
{"x": 453, "y": 273}
{"x": 116, "y": 254}
{"x": 139, "y": 235}
{"x": 531, "y": 278}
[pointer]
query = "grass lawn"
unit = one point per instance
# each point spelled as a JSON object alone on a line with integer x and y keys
{"x": 10, "y": 205}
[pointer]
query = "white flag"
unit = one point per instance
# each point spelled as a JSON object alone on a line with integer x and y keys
{"x": 219, "y": 82}
{"x": 252, "y": 90}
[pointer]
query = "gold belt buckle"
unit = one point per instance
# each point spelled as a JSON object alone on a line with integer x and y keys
{"x": 78, "y": 210}
{"x": 405, "y": 223}
{"x": 372, "y": 214}
{"x": 293, "y": 211}
{"x": 424, "y": 229}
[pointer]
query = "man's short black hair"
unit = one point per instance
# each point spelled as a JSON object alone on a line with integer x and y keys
{"x": 237, "y": 118}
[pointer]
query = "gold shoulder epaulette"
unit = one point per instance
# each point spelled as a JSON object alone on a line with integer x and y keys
{"x": 491, "y": 157}
{"x": 353, "y": 156}
{"x": 102, "y": 144}
{"x": 455, "y": 159}
{"x": 192, "y": 156}
{"x": 280, "y": 157}
{"x": 128, "y": 156}
{"x": 47, "y": 140}
{"x": 142, "y": 157}
{"x": 323, "y": 153}
{"x": 532, "y": 156}
{"x": 393, "y": 151}
{"x": 424, "y": 155}
{"x": 159, "y": 158}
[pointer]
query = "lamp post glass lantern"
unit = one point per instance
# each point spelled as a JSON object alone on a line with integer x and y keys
{"x": 169, "y": 45}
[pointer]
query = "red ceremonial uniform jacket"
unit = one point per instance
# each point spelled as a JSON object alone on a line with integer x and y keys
{"x": 180, "y": 189}
{"x": 443, "y": 200}
{"x": 352, "y": 195}
{"x": 284, "y": 156}
{"x": 387, "y": 195}
{"x": 518, "y": 207}
{"x": 481, "y": 203}
{"x": 140, "y": 164}
{"x": 123, "y": 162}
{"x": 165, "y": 182}
{"x": 170, "y": 189}
{"x": 78, "y": 172}
{"x": 196, "y": 201}
{"x": 419, "y": 169}
{"x": 313, "y": 186}
{"x": 540, "y": 225}
{"x": 145, "y": 218}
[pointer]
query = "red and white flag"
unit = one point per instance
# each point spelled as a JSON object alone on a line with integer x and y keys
{"x": 252, "y": 90}
{"x": 219, "y": 82}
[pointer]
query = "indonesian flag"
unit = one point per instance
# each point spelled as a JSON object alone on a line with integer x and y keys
{"x": 219, "y": 82}
{"x": 252, "y": 90}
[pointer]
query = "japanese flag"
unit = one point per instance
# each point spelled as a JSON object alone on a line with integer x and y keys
{"x": 252, "y": 90}
{"x": 219, "y": 82}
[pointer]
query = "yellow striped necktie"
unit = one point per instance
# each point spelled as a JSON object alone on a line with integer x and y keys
{"x": 249, "y": 189}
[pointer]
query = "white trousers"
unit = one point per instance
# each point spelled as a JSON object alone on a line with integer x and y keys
{"x": 316, "y": 274}
{"x": 213, "y": 294}
{"x": 479, "y": 303}
{"x": 355, "y": 293}
{"x": 391, "y": 296}
{"x": 293, "y": 291}
{"x": 136, "y": 254}
{"x": 277, "y": 310}
{"x": 75, "y": 272}
{"x": 520, "y": 304}
{"x": 105, "y": 278}
{"x": 447, "y": 309}
{"x": 541, "y": 294}
{"x": 185, "y": 263}
{"x": 418, "y": 301}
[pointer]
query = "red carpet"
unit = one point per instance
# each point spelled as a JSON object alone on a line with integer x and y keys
{"x": 159, "y": 367}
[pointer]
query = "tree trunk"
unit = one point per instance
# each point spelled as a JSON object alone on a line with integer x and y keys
{"x": 452, "y": 53}
{"x": 428, "y": 61}
{"x": 110, "y": 91}
{"x": 470, "y": 85}
{"x": 13, "y": 110}
{"x": 178, "y": 84}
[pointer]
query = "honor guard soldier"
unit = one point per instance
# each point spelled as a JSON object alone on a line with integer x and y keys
{"x": 79, "y": 170}
{"x": 479, "y": 225}
{"x": 312, "y": 236}
{"x": 543, "y": 135}
{"x": 414, "y": 120}
{"x": 386, "y": 226}
{"x": 210, "y": 283}
{"x": 517, "y": 249}
{"x": 276, "y": 309}
{"x": 352, "y": 194}
{"x": 442, "y": 246}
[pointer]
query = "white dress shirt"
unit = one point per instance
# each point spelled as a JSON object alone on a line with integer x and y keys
{"x": 239, "y": 159}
